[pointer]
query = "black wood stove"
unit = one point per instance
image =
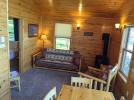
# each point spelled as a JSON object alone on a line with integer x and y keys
{"x": 103, "y": 59}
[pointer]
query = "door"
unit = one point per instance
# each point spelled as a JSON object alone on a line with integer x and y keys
{"x": 13, "y": 29}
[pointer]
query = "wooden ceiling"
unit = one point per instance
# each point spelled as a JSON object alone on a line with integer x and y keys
{"x": 80, "y": 8}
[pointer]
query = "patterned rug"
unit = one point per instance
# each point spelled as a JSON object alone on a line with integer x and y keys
{"x": 37, "y": 82}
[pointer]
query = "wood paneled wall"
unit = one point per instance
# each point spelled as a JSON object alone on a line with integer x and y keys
{"x": 122, "y": 87}
{"x": 4, "y": 56}
{"x": 88, "y": 46}
{"x": 127, "y": 18}
{"x": 85, "y": 8}
{"x": 115, "y": 47}
{"x": 28, "y": 13}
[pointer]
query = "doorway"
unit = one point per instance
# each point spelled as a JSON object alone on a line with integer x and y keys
{"x": 13, "y": 30}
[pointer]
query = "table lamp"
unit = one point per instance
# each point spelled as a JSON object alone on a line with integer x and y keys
{"x": 43, "y": 37}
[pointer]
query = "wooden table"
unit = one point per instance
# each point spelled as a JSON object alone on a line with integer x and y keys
{"x": 76, "y": 93}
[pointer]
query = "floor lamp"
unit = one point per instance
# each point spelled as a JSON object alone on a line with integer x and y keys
{"x": 43, "y": 37}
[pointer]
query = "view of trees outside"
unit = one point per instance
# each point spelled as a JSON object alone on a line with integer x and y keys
{"x": 11, "y": 30}
{"x": 63, "y": 43}
{"x": 128, "y": 55}
{"x": 126, "y": 63}
{"x": 130, "y": 40}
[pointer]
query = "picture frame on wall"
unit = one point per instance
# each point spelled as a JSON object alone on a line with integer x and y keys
{"x": 88, "y": 33}
{"x": 33, "y": 30}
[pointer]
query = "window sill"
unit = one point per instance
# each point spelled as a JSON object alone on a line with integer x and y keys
{"x": 122, "y": 77}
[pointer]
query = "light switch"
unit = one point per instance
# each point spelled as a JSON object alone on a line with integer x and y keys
{"x": 2, "y": 42}
{"x": 2, "y": 45}
{"x": 2, "y": 39}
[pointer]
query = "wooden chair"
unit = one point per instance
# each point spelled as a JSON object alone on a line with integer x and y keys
{"x": 51, "y": 95}
{"x": 15, "y": 79}
{"x": 122, "y": 98}
{"x": 100, "y": 83}
{"x": 81, "y": 82}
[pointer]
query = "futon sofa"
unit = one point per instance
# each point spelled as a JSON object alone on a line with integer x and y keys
{"x": 57, "y": 59}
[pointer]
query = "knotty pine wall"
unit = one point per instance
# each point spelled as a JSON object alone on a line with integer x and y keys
{"x": 126, "y": 18}
{"x": 88, "y": 46}
{"x": 4, "y": 56}
{"x": 28, "y": 12}
{"x": 122, "y": 87}
{"x": 115, "y": 47}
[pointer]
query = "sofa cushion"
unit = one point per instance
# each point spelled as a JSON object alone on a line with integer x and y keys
{"x": 58, "y": 57}
{"x": 100, "y": 75}
{"x": 56, "y": 64}
{"x": 58, "y": 51}
{"x": 106, "y": 67}
{"x": 55, "y": 61}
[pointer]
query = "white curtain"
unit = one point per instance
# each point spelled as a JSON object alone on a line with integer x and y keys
{"x": 63, "y": 30}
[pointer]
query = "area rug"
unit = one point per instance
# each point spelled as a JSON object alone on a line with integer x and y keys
{"x": 36, "y": 83}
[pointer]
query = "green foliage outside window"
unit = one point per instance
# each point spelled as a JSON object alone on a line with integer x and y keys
{"x": 11, "y": 30}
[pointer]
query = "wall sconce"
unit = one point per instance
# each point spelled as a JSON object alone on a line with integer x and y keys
{"x": 117, "y": 26}
{"x": 78, "y": 26}
{"x": 43, "y": 37}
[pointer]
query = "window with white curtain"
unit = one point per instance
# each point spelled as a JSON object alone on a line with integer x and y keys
{"x": 63, "y": 36}
{"x": 127, "y": 50}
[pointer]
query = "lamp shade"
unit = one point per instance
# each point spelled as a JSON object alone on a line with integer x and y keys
{"x": 43, "y": 37}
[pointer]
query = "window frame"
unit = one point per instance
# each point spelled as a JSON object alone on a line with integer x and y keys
{"x": 64, "y": 38}
{"x": 125, "y": 50}
{"x": 63, "y": 35}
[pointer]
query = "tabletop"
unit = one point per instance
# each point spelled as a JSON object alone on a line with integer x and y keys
{"x": 76, "y": 93}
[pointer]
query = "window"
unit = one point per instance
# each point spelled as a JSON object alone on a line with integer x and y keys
{"x": 127, "y": 50}
{"x": 63, "y": 43}
{"x": 11, "y": 30}
{"x": 62, "y": 36}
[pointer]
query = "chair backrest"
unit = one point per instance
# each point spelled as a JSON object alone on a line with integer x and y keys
{"x": 81, "y": 82}
{"x": 111, "y": 76}
{"x": 122, "y": 98}
{"x": 99, "y": 83}
{"x": 51, "y": 94}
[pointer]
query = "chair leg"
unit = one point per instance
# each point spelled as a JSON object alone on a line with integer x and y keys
{"x": 19, "y": 84}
